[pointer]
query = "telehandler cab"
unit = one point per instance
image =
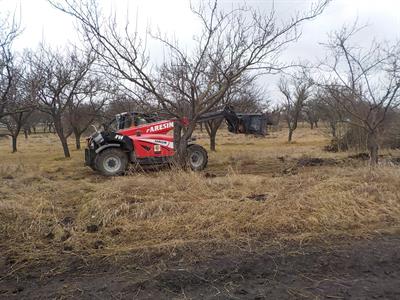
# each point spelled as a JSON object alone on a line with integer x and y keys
{"x": 144, "y": 139}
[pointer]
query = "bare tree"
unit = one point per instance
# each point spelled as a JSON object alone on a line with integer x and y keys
{"x": 61, "y": 78}
{"x": 364, "y": 83}
{"x": 19, "y": 101}
{"x": 86, "y": 106}
{"x": 274, "y": 115}
{"x": 230, "y": 44}
{"x": 8, "y": 32}
{"x": 329, "y": 111}
{"x": 14, "y": 122}
{"x": 312, "y": 112}
{"x": 35, "y": 120}
{"x": 296, "y": 91}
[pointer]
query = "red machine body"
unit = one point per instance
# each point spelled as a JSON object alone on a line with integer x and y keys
{"x": 151, "y": 140}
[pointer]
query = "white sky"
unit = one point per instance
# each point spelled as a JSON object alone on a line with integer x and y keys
{"x": 41, "y": 22}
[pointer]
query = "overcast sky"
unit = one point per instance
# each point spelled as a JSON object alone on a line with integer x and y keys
{"x": 41, "y": 22}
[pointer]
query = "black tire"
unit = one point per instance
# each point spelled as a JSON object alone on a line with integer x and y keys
{"x": 197, "y": 157}
{"x": 111, "y": 162}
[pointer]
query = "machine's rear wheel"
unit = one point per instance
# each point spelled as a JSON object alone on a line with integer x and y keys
{"x": 197, "y": 157}
{"x": 111, "y": 162}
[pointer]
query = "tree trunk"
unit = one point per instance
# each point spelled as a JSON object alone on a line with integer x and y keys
{"x": 290, "y": 135}
{"x": 14, "y": 143}
{"x": 181, "y": 142}
{"x": 333, "y": 129}
{"x": 64, "y": 143}
{"x": 77, "y": 139}
{"x": 26, "y": 134}
{"x": 179, "y": 146}
{"x": 212, "y": 141}
{"x": 292, "y": 125}
{"x": 78, "y": 142}
{"x": 312, "y": 125}
{"x": 212, "y": 128}
{"x": 373, "y": 148}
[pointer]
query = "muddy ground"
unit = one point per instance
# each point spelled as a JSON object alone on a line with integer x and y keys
{"x": 347, "y": 269}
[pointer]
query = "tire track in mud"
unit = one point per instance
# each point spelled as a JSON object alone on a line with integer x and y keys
{"x": 270, "y": 166}
{"x": 351, "y": 269}
{"x": 291, "y": 166}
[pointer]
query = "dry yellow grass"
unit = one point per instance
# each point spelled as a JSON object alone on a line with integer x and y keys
{"x": 49, "y": 205}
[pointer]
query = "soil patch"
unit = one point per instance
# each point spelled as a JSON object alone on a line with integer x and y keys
{"x": 360, "y": 156}
{"x": 316, "y": 161}
{"x": 361, "y": 269}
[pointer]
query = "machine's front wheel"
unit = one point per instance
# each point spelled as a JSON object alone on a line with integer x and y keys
{"x": 197, "y": 157}
{"x": 111, "y": 162}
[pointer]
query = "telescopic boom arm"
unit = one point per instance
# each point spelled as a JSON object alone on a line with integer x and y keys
{"x": 232, "y": 120}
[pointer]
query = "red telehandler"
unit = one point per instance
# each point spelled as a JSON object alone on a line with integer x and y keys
{"x": 143, "y": 139}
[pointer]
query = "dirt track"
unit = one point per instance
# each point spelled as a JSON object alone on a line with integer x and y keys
{"x": 364, "y": 269}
